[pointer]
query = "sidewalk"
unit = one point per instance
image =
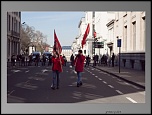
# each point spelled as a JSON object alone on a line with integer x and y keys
{"x": 132, "y": 76}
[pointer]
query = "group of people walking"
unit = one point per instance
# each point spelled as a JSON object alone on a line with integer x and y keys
{"x": 58, "y": 62}
{"x": 104, "y": 60}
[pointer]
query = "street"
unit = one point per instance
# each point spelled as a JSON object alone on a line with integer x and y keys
{"x": 32, "y": 84}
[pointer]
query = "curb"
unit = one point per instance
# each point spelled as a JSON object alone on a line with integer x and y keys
{"x": 136, "y": 84}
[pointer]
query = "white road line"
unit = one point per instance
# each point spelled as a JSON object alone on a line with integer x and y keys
{"x": 131, "y": 100}
{"x": 126, "y": 83}
{"x": 100, "y": 79}
{"x": 104, "y": 82}
{"x": 96, "y": 76}
{"x": 135, "y": 87}
{"x": 26, "y": 71}
{"x": 92, "y": 74}
{"x": 11, "y": 92}
{"x": 111, "y": 86}
{"x": 119, "y": 92}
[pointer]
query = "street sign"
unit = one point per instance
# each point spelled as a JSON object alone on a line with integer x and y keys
{"x": 119, "y": 43}
{"x": 99, "y": 44}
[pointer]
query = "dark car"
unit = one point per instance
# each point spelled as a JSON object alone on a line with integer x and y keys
{"x": 47, "y": 54}
{"x": 34, "y": 54}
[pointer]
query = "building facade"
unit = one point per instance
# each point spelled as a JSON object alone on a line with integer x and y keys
{"x": 130, "y": 28}
{"x": 67, "y": 52}
{"x": 97, "y": 21}
{"x": 13, "y": 33}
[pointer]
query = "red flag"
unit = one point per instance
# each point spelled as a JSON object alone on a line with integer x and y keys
{"x": 57, "y": 46}
{"x": 85, "y": 35}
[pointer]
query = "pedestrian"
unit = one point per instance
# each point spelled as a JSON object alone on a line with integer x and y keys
{"x": 65, "y": 60}
{"x": 50, "y": 60}
{"x": 43, "y": 60}
{"x": 72, "y": 60}
{"x": 57, "y": 62}
{"x": 113, "y": 58}
{"x": 79, "y": 66}
{"x": 109, "y": 61}
{"x": 13, "y": 60}
{"x": 87, "y": 61}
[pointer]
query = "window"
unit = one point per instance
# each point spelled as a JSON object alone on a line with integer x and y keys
{"x": 12, "y": 23}
{"x": 125, "y": 38}
{"x": 93, "y": 15}
{"x": 19, "y": 27}
{"x": 93, "y": 29}
{"x": 143, "y": 33}
{"x": 134, "y": 35}
{"x": 9, "y": 20}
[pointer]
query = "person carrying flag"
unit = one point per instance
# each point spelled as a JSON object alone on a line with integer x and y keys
{"x": 57, "y": 62}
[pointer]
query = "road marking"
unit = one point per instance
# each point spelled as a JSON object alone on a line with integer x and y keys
{"x": 26, "y": 71}
{"x": 67, "y": 71}
{"x": 126, "y": 83}
{"x": 92, "y": 74}
{"x": 119, "y": 92}
{"x": 131, "y": 100}
{"x": 112, "y": 77}
{"x": 96, "y": 76}
{"x": 11, "y": 92}
{"x": 44, "y": 70}
{"x": 16, "y": 71}
{"x": 104, "y": 82}
{"x": 100, "y": 79}
{"x": 111, "y": 86}
{"x": 135, "y": 87}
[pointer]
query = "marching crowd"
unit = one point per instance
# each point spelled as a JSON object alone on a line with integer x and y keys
{"x": 57, "y": 61}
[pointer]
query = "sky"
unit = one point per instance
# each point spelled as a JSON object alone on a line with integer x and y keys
{"x": 64, "y": 23}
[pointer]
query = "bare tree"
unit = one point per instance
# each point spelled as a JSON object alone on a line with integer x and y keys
{"x": 27, "y": 35}
{"x": 30, "y": 36}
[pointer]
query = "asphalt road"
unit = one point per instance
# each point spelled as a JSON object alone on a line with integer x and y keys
{"x": 31, "y": 84}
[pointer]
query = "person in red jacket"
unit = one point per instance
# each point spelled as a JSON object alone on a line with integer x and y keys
{"x": 57, "y": 62}
{"x": 79, "y": 66}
